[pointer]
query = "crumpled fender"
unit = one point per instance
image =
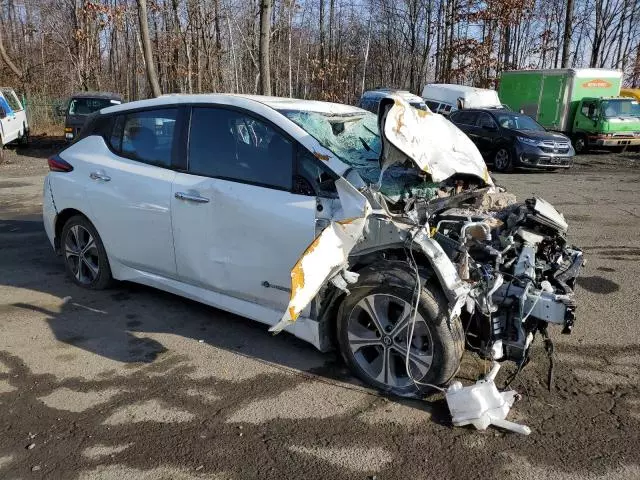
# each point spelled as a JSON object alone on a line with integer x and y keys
{"x": 328, "y": 254}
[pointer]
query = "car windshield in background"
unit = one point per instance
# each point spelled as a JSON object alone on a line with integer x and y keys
{"x": 86, "y": 106}
{"x": 518, "y": 122}
{"x": 620, "y": 108}
{"x": 355, "y": 139}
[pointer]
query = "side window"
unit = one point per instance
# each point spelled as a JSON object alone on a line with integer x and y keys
{"x": 312, "y": 177}
{"x": 145, "y": 136}
{"x": 234, "y": 146}
{"x": 12, "y": 100}
{"x": 463, "y": 117}
{"x": 485, "y": 121}
{"x": 588, "y": 109}
{"x": 433, "y": 106}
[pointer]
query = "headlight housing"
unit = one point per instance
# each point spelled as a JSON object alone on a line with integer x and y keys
{"x": 529, "y": 141}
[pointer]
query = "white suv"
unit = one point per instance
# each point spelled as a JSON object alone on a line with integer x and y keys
{"x": 345, "y": 228}
{"x": 13, "y": 118}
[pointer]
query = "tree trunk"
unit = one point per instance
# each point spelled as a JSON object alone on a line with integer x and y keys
{"x": 146, "y": 48}
{"x": 566, "y": 40}
{"x": 8, "y": 60}
{"x": 265, "y": 40}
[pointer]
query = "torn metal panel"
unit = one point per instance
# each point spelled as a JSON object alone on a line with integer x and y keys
{"x": 328, "y": 254}
{"x": 435, "y": 144}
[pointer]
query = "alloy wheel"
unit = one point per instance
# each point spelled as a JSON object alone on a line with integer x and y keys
{"x": 81, "y": 254}
{"x": 501, "y": 159}
{"x": 378, "y": 328}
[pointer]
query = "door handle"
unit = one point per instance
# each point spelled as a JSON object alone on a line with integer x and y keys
{"x": 191, "y": 197}
{"x": 99, "y": 176}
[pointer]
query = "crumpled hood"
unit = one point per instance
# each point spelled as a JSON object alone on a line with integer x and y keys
{"x": 431, "y": 141}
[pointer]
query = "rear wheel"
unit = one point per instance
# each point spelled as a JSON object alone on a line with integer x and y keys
{"x": 502, "y": 160}
{"x": 24, "y": 138}
{"x": 374, "y": 323}
{"x": 84, "y": 254}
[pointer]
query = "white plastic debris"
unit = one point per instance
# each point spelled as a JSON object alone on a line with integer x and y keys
{"x": 482, "y": 404}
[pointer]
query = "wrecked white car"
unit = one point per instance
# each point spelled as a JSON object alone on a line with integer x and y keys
{"x": 383, "y": 236}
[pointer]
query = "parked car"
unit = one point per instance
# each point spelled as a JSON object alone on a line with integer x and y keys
{"x": 445, "y": 98}
{"x": 83, "y": 104}
{"x": 370, "y": 100}
{"x": 509, "y": 140}
{"x": 216, "y": 197}
{"x": 14, "y": 125}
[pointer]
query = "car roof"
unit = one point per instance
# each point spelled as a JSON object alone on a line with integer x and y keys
{"x": 487, "y": 110}
{"x": 385, "y": 92}
{"x": 105, "y": 95}
{"x": 276, "y": 103}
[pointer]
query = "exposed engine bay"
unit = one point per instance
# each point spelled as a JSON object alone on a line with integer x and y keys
{"x": 516, "y": 259}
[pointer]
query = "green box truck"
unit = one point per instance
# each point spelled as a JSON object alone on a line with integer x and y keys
{"x": 584, "y": 104}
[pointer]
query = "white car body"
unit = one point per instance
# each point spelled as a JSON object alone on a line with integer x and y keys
{"x": 204, "y": 196}
{"x": 14, "y": 125}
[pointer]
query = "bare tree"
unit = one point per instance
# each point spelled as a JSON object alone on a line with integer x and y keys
{"x": 265, "y": 42}
{"x": 146, "y": 48}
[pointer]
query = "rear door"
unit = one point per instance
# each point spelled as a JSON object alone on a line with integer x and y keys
{"x": 129, "y": 188}
{"x": 487, "y": 133}
{"x": 466, "y": 121}
{"x": 238, "y": 228}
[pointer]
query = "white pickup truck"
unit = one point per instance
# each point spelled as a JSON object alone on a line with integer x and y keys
{"x": 13, "y": 118}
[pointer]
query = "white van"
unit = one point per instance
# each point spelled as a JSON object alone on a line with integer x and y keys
{"x": 445, "y": 98}
{"x": 13, "y": 118}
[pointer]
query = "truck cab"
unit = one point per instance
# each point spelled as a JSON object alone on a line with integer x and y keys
{"x": 14, "y": 125}
{"x": 606, "y": 122}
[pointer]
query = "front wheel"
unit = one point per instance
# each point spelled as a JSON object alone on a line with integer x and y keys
{"x": 84, "y": 255}
{"x": 502, "y": 160}
{"x": 374, "y": 323}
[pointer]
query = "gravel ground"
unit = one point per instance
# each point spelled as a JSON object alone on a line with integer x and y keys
{"x": 134, "y": 383}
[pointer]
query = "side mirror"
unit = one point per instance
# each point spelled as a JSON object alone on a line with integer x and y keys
{"x": 490, "y": 128}
{"x": 60, "y": 111}
{"x": 3, "y": 112}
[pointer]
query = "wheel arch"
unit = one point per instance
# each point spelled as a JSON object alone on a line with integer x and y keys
{"x": 61, "y": 219}
{"x": 332, "y": 297}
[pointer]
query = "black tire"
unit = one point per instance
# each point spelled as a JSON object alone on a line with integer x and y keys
{"x": 24, "y": 138}
{"x": 75, "y": 228}
{"x": 503, "y": 160}
{"x": 396, "y": 279}
{"x": 580, "y": 144}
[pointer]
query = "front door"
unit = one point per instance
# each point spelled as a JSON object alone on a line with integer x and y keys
{"x": 238, "y": 229}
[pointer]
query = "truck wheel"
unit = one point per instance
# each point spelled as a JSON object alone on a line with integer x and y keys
{"x": 24, "y": 138}
{"x": 373, "y": 324}
{"x": 502, "y": 160}
{"x": 580, "y": 144}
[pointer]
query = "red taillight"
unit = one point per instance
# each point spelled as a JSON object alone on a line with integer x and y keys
{"x": 56, "y": 164}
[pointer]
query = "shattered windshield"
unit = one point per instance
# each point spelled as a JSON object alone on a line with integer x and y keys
{"x": 354, "y": 138}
